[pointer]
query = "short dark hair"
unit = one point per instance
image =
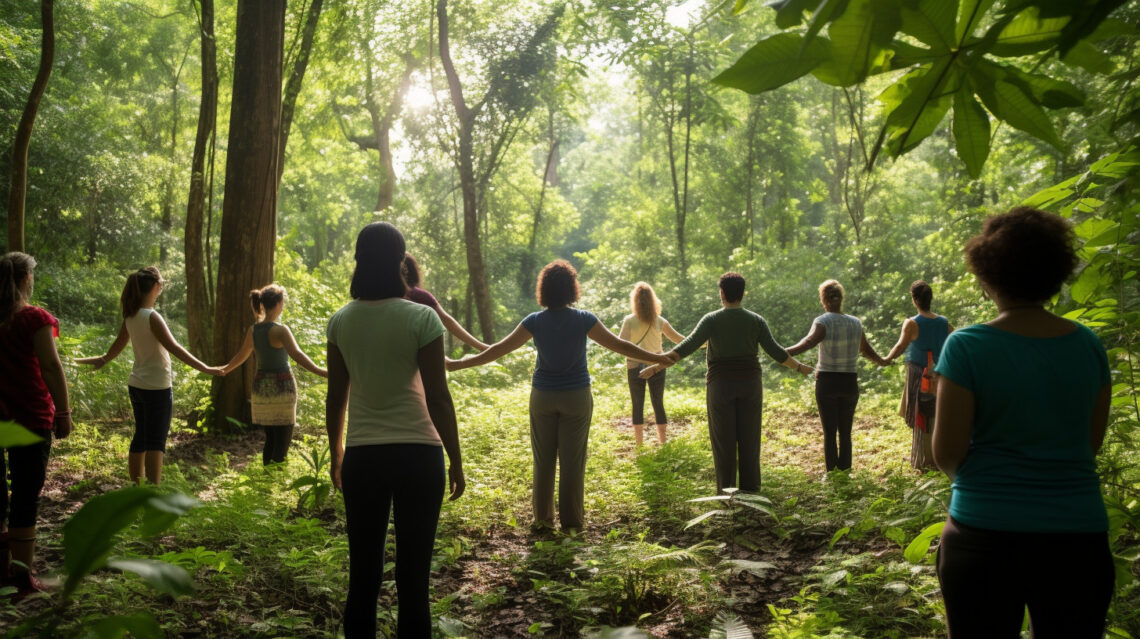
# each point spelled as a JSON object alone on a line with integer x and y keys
{"x": 267, "y": 297}
{"x": 557, "y": 285}
{"x": 922, "y": 294}
{"x": 732, "y": 284}
{"x": 411, "y": 271}
{"x": 379, "y": 257}
{"x": 1024, "y": 254}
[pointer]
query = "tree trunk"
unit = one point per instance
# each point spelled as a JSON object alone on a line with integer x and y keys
{"x": 198, "y": 311}
{"x": 527, "y": 276}
{"x": 296, "y": 78}
{"x": 249, "y": 212}
{"x": 476, "y": 270}
{"x": 19, "y": 190}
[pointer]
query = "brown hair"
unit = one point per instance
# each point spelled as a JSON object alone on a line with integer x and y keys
{"x": 378, "y": 275}
{"x": 265, "y": 298}
{"x": 644, "y": 303}
{"x": 831, "y": 294}
{"x": 922, "y": 294}
{"x": 1025, "y": 254}
{"x": 557, "y": 285}
{"x": 15, "y": 267}
{"x": 138, "y": 285}
{"x": 411, "y": 271}
{"x": 732, "y": 285}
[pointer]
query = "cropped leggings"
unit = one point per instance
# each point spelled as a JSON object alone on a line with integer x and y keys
{"x": 153, "y": 410}
{"x": 656, "y": 395}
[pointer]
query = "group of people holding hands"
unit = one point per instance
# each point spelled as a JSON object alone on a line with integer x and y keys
{"x": 1021, "y": 411}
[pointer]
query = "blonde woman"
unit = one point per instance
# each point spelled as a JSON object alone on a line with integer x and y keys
{"x": 645, "y": 327}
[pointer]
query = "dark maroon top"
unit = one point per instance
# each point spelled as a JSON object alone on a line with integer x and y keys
{"x": 24, "y": 397}
{"x": 420, "y": 296}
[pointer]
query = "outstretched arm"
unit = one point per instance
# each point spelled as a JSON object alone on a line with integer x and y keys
{"x": 811, "y": 340}
{"x": 517, "y": 338}
{"x": 161, "y": 333}
{"x": 336, "y": 400}
{"x": 668, "y": 331}
{"x": 455, "y": 328}
{"x": 442, "y": 411}
{"x": 602, "y": 335}
{"x": 43, "y": 342}
{"x": 868, "y": 351}
{"x": 283, "y": 334}
{"x": 242, "y": 354}
{"x": 908, "y": 334}
{"x": 116, "y": 347}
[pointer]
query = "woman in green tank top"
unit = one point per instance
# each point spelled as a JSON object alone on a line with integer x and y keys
{"x": 273, "y": 401}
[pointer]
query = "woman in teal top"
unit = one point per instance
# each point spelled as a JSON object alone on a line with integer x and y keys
{"x": 273, "y": 399}
{"x": 924, "y": 333}
{"x": 1022, "y": 408}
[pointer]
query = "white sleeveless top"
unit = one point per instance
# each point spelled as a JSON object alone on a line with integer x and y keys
{"x": 152, "y": 361}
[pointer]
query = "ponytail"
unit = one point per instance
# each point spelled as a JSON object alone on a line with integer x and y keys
{"x": 265, "y": 298}
{"x": 14, "y": 268}
{"x": 138, "y": 285}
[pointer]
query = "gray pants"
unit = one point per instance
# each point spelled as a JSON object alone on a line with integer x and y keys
{"x": 734, "y": 407}
{"x": 559, "y": 430}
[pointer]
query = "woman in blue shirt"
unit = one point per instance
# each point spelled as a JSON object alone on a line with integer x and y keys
{"x": 1022, "y": 408}
{"x": 561, "y": 404}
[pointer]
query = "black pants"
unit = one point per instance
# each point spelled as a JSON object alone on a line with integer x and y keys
{"x": 153, "y": 411}
{"x": 28, "y": 467}
{"x": 836, "y": 394}
{"x": 734, "y": 407}
{"x": 988, "y": 578}
{"x": 656, "y": 395}
{"x": 411, "y": 478}
{"x": 277, "y": 439}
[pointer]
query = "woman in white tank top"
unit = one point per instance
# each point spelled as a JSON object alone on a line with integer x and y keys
{"x": 150, "y": 381}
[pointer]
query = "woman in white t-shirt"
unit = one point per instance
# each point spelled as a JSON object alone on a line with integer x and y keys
{"x": 386, "y": 354}
{"x": 152, "y": 397}
{"x": 645, "y": 327}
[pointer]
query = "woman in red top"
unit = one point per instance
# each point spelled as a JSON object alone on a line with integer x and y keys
{"x": 33, "y": 393}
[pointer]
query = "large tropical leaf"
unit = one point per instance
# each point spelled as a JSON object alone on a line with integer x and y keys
{"x": 773, "y": 62}
{"x": 931, "y": 22}
{"x": 89, "y": 535}
{"x": 916, "y": 104}
{"x": 1028, "y": 32}
{"x": 163, "y": 577}
{"x": 971, "y": 131}
{"x": 1010, "y": 103}
{"x": 858, "y": 38}
{"x": 970, "y": 13}
{"x": 13, "y": 434}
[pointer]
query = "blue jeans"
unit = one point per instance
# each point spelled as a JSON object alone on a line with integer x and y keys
{"x": 153, "y": 411}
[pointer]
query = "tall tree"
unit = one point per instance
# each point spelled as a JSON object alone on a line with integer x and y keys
{"x": 249, "y": 212}
{"x": 198, "y": 304}
{"x": 19, "y": 185}
{"x": 298, "y": 63}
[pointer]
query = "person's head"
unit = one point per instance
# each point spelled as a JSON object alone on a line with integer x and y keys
{"x": 731, "y": 287}
{"x": 142, "y": 287}
{"x": 922, "y": 295}
{"x": 266, "y": 298}
{"x": 831, "y": 296}
{"x": 1023, "y": 255}
{"x": 411, "y": 271}
{"x": 644, "y": 303}
{"x": 379, "y": 261}
{"x": 15, "y": 282}
{"x": 557, "y": 285}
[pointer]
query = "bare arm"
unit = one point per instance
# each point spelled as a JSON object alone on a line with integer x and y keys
{"x": 43, "y": 342}
{"x": 160, "y": 331}
{"x": 668, "y": 331}
{"x": 517, "y": 338}
{"x": 116, "y": 347}
{"x": 336, "y": 399}
{"x": 283, "y": 333}
{"x": 811, "y": 340}
{"x": 442, "y": 411}
{"x": 868, "y": 351}
{"x": 1099, "y": 421}
{"x": 603, "y": 336}
{"x": 242, "y": 354}
{"x": 908, "y": 334}
{"x": 455, "y": 328}
{"x": 953, "y": 422}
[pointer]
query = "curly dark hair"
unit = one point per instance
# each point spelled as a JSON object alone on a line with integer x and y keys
{"x": 922, "y": 294}
{"x": 1025, "y": 254}
{"x": 557, "y": 285}
{"x": 732, "y": 284}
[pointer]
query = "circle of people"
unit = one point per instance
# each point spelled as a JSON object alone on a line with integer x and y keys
{"x": 1021, "y": 410}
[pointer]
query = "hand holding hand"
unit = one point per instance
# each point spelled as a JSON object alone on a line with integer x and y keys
{"x": 95, "y": 362}
{"x": 452, "y": 364}
{"x": 674, "y": 356}
{"x": 456, "y": 481}
{"x": 321, "y": 372}
{"x": 216, "y": 371}
{"x": 650, "y": 371}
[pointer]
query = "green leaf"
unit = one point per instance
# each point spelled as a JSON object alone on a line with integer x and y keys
{"x": 739, "y": 7}
{"x": 1086, "y": 285}
{"x": 970, "y": 13}
{"x": 13, "y": 434}
{"x": 161, "y": 511}
{"x": 89, "y": 535}
{"x": 140, "y": 625}
{"x": 1046, "y": 198}
{"x": 826, "y": 12}
{"x": 790, "y": 13}
{"x": 931, "y": 22}
{"x": 839, "y": 534}
{"x": 758, "y": 568}
{"x": 916, "y": 551}
{"x": 857, "y": 40}
{"x": 1027, "y": 33}
{"x": 971, "y": 131}
{"x": 916, "y": 104}
{"x": 163, "y": 577}
{"x": 1050, "y": 93}
{"x": 773, "y": 62}
{"x": 1088, "y": 57}
{"x": 699, "y": 518}
{"x": 1010, "y": 103}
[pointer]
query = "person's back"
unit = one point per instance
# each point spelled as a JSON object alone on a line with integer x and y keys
{"x": 24, "y": 396}
{"x": 270, "y": 359}
{"x": 932, "y": 334}
{"x": 735, "y": 336}
{"x": 151, "y": 370}
{"x": 560, "y": 339}
{"x": 839, "y": 350}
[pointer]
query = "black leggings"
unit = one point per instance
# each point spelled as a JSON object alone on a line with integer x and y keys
{"x": 656, "y": 395}
{"x": 277, "y": 439}
{"x": 28, "y": 465}
{"x": 988, "y": 578}
{"x": 411, "y": 478}
{"x": 836, "y": 394}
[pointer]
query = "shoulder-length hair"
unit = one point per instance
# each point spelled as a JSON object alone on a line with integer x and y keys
{"x": 557, "y": 285}
{"x": 379, "y": 257}
{"x": 644, "y": 303}
{"x": 138, "y": 285}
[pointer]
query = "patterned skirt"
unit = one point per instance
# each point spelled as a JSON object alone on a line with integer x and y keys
{"x": 921, "y": 456}
{"x": 274, "y": 399}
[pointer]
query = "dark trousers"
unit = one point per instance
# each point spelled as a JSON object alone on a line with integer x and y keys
{"x": 656, "y": 395}
{"x": 559, "y": 434}
{"x": 153, "y": 411}
{"x": 28, "y": 468}
{"x": 836, "y": 394}
{"x": 277, "y": 439}
{"x": 734, "y": 407}
{"x": 988, "y": 578}
{"x": 410, "y": 479}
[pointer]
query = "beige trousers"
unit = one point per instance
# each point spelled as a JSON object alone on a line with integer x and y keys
{"x": 559, "y": 430}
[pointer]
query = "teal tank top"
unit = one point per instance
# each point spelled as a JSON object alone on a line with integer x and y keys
{"x": 932, "y": 334}
{"x": 269, "y": 359}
